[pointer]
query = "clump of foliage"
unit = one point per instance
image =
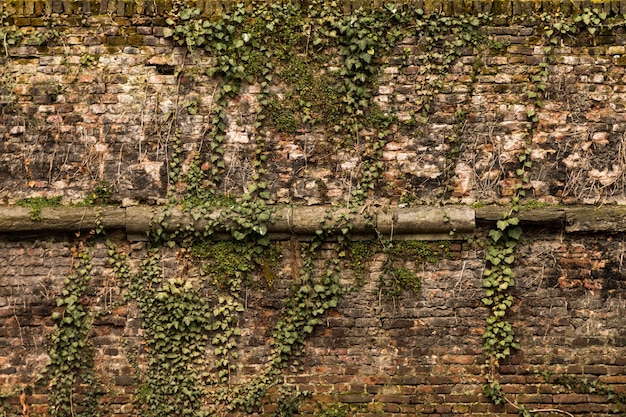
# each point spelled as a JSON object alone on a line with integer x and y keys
{"x": 401, "y": 262}
{"x": 177, "y": 321}
{"x": 398, "y": 276}
{"x": 37, "y": 203}
{"x": 74, "y": 388}
{"x": 101, "y": 195}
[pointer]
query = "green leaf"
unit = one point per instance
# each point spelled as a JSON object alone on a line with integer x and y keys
{"x": 495, "y": 235}
{"x": 515, "y": 233}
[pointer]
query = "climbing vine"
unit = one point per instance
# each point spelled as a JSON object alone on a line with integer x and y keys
{"x": 499, "y": 340}
{"x": 74, "y": 388}
{"x": 176, "y": 321}
{"x": 11, "y": 35}
{"x": 266, "y": 44}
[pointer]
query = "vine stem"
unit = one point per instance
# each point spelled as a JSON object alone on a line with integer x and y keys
{"x": 539, "y": 410}
{"x": 72, "y": 402}
{"x": 24, "y": 404}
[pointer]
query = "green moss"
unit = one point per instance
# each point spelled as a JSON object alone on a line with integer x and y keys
{"x": 333, "y": 410}
{"x": 403, "y": 260}
{"x": 420, "y": 251}
{"x": 322, "y": 189}
{"x": 399, "y": 269}
{"x": 497, "y": 46}
{"x": 281, "y": 114}
{"x": 101, "y": 195}
{"x": 378, "y": 119}
{"x": 198, "y": 195}
{"x": 360, "y": 252}
{"x": 534, "y": 204}
{"x": 408, "y": 199}
{"x": 223, "y": 262}
{"x": 397, "y": 280}
{"x": 37, "y": 203}
{"x": 311, "y": 97}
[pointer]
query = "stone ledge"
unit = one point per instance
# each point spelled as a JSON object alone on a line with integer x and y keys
{"x": 554, "y": 216}
{"x": 422, "y": 223}
{"x": 419, "y": 223}
{"x": 570, "y": 219}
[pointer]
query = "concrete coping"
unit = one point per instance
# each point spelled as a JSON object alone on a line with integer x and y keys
{"x": 419, "y": 223}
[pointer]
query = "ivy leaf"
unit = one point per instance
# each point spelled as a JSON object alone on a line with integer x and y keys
{"x": 515, "y": 233}
{"x": 495, "y": 235}
{"x": 260, "y": 229}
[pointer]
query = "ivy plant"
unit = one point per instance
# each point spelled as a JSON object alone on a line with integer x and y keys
{"x": 176, "y": 321}
{"x": 69, "y": 374}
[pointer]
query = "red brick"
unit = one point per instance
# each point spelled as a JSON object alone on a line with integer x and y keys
{"x": 569, "y": 398}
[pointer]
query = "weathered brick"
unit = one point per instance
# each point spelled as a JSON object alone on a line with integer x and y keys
{"x": 569, "y": 398}
{"x": 354, "y": 398}
{"x": 411, "y": 354}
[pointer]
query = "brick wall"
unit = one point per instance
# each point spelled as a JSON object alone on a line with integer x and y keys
{"x": 94, "y": 106}
{"x": 373, "y": 354}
